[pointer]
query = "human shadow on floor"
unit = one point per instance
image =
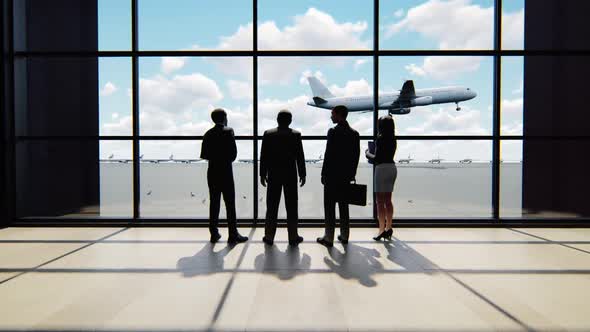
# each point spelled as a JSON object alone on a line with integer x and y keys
{"x": 205, "y": 261}
{"x": 355, "y": 262}
{"x": 284, "y": 264}
{"x": 409, "y": 259}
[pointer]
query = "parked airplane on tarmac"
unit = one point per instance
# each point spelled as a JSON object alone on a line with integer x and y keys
{"x": 112, "y": 159}
{"x": 436, "y": 160}
{"x": 399, "y": 102}
{"x": 320, "y": 158}
{"x": 405, "y": 161}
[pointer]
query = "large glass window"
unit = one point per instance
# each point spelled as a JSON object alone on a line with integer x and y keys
{"x": 124, "y": 108}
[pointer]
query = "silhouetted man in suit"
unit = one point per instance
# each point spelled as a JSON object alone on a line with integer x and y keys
{"x": 219, "y": 148}
{"x": 281, "y": 159}
{"x": 340, "y": 163}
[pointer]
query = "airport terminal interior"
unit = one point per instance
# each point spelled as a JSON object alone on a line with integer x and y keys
{"x": 109, "y": 150}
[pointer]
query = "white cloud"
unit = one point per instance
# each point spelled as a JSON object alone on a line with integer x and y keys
{"x": 313, "y": 30}
{"x": 512, "y": 106}
{"x": 454, "y": 24}
{"x": 240, "y": 40}
{"x": 120, "y": 126}
{"x": 358, "y": 63}
{"x": 445, "y": 121}
{"x": 399, "y": 13}
{"x": 108, "y": 89}
{"x": 115, "y": 115}
{"x": 513, "y": 30}
{"x": 459, "y": 24}
{"x": 172, "y": 64}
{"x": 514, "y": 128}
{"x": 178, "y": 94}
{"x": 353, "y": 88}
{"x": 520, "y": 89}
{"x": 442, "y": 68}
{"x": 307, "y": 73}
{"x": 240, "y": 89}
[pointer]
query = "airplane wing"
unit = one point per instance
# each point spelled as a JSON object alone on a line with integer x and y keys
{"x": 407, "y": 92}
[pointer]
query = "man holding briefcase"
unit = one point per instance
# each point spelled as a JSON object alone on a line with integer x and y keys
{"x": 339, "y": 169}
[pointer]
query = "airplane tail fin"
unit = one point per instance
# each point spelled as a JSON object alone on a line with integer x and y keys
{"x": 318, "y": 89}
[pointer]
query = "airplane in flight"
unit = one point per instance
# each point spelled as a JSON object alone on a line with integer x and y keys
{"x": 405, "y": 161}
{"x": 399, "y": 102}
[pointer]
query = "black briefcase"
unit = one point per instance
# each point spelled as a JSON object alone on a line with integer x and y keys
{"x": 357, "y": 194}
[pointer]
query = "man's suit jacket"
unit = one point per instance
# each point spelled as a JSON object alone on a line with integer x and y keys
{"x": 342, "y": 155}
{"x": 219, "y": 147}
{"x": 281, "y": 154}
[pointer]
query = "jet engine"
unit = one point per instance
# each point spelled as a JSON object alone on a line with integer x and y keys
{"x": 399, "y": 110}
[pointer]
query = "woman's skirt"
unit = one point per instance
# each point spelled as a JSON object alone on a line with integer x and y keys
{"x": 385, "y": 175}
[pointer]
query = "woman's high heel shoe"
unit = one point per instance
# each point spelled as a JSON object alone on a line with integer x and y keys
{"x": 388, "y": 234}
{"x": 380, "y": 236}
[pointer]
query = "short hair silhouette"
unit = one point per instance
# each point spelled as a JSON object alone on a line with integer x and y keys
{"x": 218, "y": 115}
{"x": 341, "y": 110}
{"x": 284, "y": 118}
{"x": 386, "y": 126}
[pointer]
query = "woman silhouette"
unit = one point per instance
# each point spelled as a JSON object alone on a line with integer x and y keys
{"x": 385, "y": 174}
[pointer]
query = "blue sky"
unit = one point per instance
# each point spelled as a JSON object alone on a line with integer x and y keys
{"x": 177, "y": 94}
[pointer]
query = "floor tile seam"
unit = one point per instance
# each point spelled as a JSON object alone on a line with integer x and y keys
{"x": 560, "y": 243}
{"x": 2, "y": 282}
{"x": 226, "y": 291}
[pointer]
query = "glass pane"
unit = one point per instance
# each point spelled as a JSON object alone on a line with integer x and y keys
{"x": 545, "y": 179}
{"x": 75, "y": 179}
{"x": 114, "y": 25}
{"x": 174, "y": 180}
{"x": 116, "y": 179}
{"x": 114, "y": 96}
{"x": 440, "y": 82}
{"x": 512, "y": 95}
{"x": 311, "y": 195}
{"x": 177, "y": 94}
{"x": 315, "y": 25}
{"x": 284, "y": 83}
{"x": 444, "y": 25}
{"x": 511, "y": 179}
{"x": 443, "y": 179}
{"x": 195, "y": 25}
{"x": 60, "y": 96}
{"x": 513, "y": 24}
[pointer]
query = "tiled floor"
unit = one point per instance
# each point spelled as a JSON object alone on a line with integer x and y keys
{"x": 172, "y": 279}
